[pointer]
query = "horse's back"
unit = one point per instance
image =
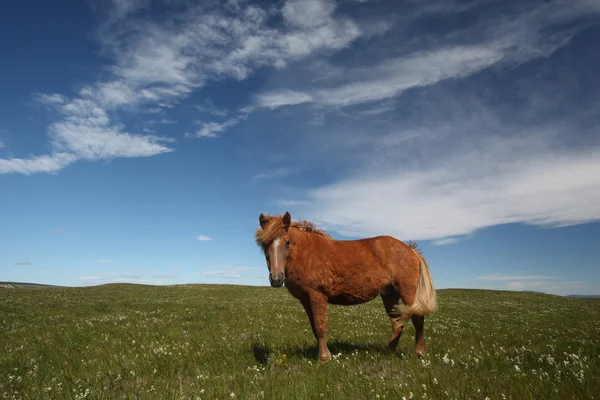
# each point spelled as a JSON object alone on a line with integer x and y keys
{"x": 386, "y": 248}
{"x": 394, "y": 260}
{"x": 353, "y": 271}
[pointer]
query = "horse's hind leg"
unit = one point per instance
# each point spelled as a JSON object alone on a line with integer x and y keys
{"x": 419, "y": 322}
{"x": 390, "y": 302}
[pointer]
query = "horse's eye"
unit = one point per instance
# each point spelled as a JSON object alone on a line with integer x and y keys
{"x": 287, "y": 243}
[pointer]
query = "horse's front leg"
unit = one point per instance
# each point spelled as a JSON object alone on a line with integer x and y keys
{"x": 316, "y": 308}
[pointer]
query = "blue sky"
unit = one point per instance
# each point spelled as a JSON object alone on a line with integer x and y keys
{"x": 140, "y": 140}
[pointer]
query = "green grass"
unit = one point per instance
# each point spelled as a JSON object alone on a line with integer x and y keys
{"x": 218, "y": 341}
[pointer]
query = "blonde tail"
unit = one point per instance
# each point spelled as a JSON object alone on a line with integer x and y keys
{"x": 425, "y": 300}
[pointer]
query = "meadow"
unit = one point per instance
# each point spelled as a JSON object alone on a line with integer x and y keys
{"x": 222, "y": 342}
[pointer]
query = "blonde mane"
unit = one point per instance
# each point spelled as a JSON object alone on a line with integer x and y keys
{"x": 415, "y": 247}
{"x": 274, "y": 228}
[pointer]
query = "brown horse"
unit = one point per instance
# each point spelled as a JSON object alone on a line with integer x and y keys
{"x": 318, "y": 270}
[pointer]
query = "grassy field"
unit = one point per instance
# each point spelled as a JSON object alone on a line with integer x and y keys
{"x": 223, "y": 342}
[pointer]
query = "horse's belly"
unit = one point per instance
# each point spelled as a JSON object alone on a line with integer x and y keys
{"x": 346, "y": 299}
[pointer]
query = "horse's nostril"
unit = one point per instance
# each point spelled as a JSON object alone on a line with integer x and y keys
{"x": 276, "y": 280}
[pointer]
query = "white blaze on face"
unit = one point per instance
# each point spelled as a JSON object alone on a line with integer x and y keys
{"x": 275, "y": 245}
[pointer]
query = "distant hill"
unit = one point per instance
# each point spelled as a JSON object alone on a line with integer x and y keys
{"x": 24, "y": 285}
{"x": 27, "y": 285}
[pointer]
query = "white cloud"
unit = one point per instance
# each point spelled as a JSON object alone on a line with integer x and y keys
{"x": 282, "y": 98}
{"x": 103, "y": 279}
{"x": 441, "y": 242}
{"x": 551, "y": 190}
{"x": 84, "y": 132}
{"x": 213, "y": 129}
{"x": 529, "y": 285}
{"x": 165, "y": 276}
{"x": 454, "y": 164}
{"x": 4, "y": 138}
{"x": 502, "y": 277}
{"x": 91, "y": 279}
{"x": 123, "y": 7}
{"x": 99, "y": 142}
{"x": 158, "y": 64}
{"x": 169, "y": 61}
{"x": 391, "y": 78}
{"x": 421, "y": 69}
{"x": 52, "y": 99}
{"x": 203, "y": 238}
{"x": 209, "y": 108}
{"x": 130, "y": 276}
{"x": 308, "y": 13}
{"x": 501, "y": 39}
{"x": 274, "y": 174}
{"x": 49, "y": 164}
{"x": 228, "y": 271}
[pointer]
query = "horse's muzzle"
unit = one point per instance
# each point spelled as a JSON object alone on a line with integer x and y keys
{"x": 277, "y": 279}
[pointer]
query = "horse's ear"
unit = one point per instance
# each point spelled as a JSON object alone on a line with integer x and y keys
{"x": 287, "y": 220}
{"x": 262, "y": 220}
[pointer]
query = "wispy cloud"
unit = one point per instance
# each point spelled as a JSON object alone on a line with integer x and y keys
{"x": 23, "y": 263}
{"x": 392, "y": 77}
{"x": 502, "y": 277}
{"x": 104, "y": 261}
{"x": 276, "y": 173}
{"x": 474, "y": 190}
{"x": 90, "y": 279}
{"x": 170, "y": 61}
{"x": 546, "y": 283}
{"x": 452, "y": 159}
{"x": 130, "y": 276}
{"x": 441, "y": 242}
{"x": 106, "y": 278}
{"x": 283, "y": 97}
{"x": 203, "y": 238}
{"x": 543, "y": 285}
{"x": 59, "y": 231}
{"x": 49, "y": 164}
{"x": 165, "y": 276}
{"x": 86, "y": 133}
{"x": 83, "y": 132}
{"x": 102, "y": 279}
{"x": 228, "y": 271}
{"x": 209, "y": 108}
{"x": 214, "y": 129}
{"x": 156, "y": 65}
{"x": 504, "y": 38}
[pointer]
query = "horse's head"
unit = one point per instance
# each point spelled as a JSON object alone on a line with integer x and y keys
{"x": 277, "y": 248}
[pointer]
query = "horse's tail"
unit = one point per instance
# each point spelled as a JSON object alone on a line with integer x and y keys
{"x": 425, "y": 300}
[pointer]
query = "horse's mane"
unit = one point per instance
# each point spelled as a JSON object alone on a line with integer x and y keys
{"x": 414, "y": 246}
{"x": 275, "y": 228}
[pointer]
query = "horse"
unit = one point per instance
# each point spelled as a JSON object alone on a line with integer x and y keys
{"x": 319, "y": 270}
